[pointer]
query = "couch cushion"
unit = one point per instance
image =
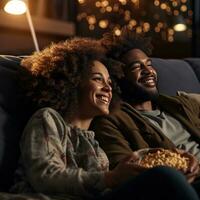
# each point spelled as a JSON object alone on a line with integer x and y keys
{"x": 174, "y": 75}
{"x": 13, "y": 116}
{"x": 195, "y": 64}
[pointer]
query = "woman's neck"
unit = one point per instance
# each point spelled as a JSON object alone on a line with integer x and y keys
{"x": 80, "y": 122}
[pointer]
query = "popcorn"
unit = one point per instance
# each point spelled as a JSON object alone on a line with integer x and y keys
{"x": 164, "y": 157}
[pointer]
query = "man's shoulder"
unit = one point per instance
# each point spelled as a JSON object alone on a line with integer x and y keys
{"x": 179, "y": 101}
{"x": 123, "y": 109}
{"x": 190, "y": 96}
{"x": 119, "y": 116}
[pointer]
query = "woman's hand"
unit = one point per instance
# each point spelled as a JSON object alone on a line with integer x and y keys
{"x": 193, "y": 168}
{"x": 126, "y": 169}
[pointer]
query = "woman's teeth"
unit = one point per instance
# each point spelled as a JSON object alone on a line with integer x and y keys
{"x": 104, "y": 99}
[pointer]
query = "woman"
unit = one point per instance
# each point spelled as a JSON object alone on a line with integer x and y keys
{"x": 60, "y": 158}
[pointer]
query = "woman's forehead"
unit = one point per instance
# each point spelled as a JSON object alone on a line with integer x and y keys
{"x": 99, "y": 67}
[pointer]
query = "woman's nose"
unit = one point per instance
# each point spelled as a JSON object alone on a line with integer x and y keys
{"x": 107, "y": 87}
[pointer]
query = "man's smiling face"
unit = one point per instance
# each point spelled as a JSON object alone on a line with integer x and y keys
{"x": 141, "y": 75}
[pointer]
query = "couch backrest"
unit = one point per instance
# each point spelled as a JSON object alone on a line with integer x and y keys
{"x": 13, "y": 116}
{"x": 195, "y": 64}
{"x": 175, "y": 75}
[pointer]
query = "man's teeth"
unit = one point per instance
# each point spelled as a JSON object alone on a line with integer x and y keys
{"x": 149, "y": 81}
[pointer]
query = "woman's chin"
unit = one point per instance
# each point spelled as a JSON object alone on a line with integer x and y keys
{"x": 104, "y": 111}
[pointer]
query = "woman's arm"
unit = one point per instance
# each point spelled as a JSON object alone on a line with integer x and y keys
{"x": 43, "y": 148}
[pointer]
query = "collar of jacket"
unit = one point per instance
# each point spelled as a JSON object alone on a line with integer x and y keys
{"x": 154, "y": 137}
{"x": 180, "y": 108}
{"x": 184, "y": 110}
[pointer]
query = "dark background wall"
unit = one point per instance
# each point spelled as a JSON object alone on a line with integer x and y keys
{"x": 52, "y": 19}
{"x": 196, "y": 29}
{"x": 150, "y": 11}
{"x": 56, "y": 20}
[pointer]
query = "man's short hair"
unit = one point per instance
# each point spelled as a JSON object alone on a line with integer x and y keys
{"x": 127, "y": 40}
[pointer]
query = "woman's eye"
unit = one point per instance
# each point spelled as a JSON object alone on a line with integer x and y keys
{"x": 99, "y": 79}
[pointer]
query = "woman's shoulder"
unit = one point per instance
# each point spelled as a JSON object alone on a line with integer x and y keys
{"x": 46, "y": 112}
{"x": 47, "y": 120}
{"x": 47, "y": 115}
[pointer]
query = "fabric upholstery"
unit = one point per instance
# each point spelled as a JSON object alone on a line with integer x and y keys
{"x": 12, "y": 118}
{"x": 195, "y": 64}
{"x": 174, "y": 75}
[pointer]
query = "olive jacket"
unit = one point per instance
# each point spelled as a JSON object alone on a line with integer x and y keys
{"x": 127, "y": 130}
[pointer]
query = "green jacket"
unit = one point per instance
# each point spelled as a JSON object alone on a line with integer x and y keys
{"x": 126, "y": 130}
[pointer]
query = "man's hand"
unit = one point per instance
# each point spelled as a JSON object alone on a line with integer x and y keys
{"x": 193, "y": 167}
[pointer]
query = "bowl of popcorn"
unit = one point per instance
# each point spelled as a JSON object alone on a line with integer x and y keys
{"x": 150, "y": 158}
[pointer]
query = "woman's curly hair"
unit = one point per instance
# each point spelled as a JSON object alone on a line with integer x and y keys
{"x": 51, "y": 78}
{"x": 127, "y": 40}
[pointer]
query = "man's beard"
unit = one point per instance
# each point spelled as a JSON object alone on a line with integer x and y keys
{"x": 133, "y": 93}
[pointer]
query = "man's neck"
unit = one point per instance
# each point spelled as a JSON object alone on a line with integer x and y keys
{"x": 144, "y": 106}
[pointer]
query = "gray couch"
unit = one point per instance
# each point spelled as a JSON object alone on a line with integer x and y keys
{"x": 173, "y": 75}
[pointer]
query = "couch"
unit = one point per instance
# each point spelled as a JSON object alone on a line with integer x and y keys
{"x": 174, "y": 75}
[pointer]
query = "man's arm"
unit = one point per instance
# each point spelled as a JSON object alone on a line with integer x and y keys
{"x": 115, "y": 138}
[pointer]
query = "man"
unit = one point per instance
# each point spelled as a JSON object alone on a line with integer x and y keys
{"x": 145, "y": 118}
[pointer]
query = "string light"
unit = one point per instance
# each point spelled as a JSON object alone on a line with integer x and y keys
{"x": 155, "y": 16}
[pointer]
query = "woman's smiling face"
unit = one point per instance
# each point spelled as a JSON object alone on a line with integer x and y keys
{"x": 96, "y": 91}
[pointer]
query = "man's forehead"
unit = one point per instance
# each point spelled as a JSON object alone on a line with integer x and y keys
{"x": 133, "y": 55}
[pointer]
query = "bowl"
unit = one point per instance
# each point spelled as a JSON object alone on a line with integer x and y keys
{"x": 151, "y": 157}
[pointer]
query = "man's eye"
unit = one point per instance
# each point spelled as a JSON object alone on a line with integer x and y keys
{"x": 135, "y": 67}
{"x": 149, "y": 64}
{"x": 110, "y": 83}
